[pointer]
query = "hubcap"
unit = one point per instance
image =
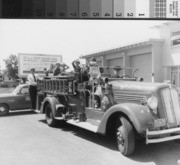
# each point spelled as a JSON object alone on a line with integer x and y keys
{"x": 2, "y": 109}
{"x": 120, "y": 137}
{"x": 49, "y": 116}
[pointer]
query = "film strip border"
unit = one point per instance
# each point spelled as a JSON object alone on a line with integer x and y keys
{"x": 93, "y": 9}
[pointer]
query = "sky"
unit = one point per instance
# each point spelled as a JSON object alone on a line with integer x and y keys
{"x": 70, "y": 38}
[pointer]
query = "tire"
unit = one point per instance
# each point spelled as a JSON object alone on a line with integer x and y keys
{"x": 49, "y": 116}
{"x": 125, "y": 136}
{"x": 4, "y": 109}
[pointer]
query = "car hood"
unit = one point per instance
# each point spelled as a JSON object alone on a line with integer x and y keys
{"x": 7, "y": 94}
{"x": 137, "y": 86}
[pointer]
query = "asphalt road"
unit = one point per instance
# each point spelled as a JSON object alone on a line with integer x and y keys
{"x": 25, "y": 139}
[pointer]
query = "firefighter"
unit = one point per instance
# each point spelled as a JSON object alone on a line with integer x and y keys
{"x": 117, "y": 70}
{"x": 85, "y": 73}
{"x": 76, "y": 66}
{"x": 46, "y": 72}
{"x": 77, "y": 70}
{"x": 64, "y": 67}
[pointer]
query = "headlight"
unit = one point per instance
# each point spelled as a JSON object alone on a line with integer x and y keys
{"x": 105, "y": 103}
{"x": 153, "y": 103}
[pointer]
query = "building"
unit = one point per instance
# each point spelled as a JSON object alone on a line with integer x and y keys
{"x": 157, "y": 60}
{"x": 170, "y": 32}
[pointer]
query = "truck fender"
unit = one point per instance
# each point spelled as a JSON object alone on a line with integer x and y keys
{"x": 53, "y": 101}
{"x": 138, "y": 115}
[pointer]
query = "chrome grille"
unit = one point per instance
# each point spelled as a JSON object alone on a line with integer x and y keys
{"x": 168, "y": 105}
{"x": 171, "y": 105}
{"x": 176, "y": 104}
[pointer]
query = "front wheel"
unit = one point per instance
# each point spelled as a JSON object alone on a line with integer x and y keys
{"x": 125, "y": 136}
{"x": 49, "y": 116}
{"x": 4, "y": 109}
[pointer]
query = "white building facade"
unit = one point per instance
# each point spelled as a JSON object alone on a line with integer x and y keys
{"x": 157, "y": 60}
{"x": 170, "y": 32}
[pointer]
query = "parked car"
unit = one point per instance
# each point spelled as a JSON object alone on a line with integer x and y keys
{"x": 18, "y": 99}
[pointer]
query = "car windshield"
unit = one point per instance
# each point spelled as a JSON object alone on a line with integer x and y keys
{"x": 17, "y": 89}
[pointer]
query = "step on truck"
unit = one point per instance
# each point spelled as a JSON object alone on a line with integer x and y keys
{"x": 130, "y": 109}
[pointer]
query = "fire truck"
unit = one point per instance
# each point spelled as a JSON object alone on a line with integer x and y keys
{"x": 128, "y": 109}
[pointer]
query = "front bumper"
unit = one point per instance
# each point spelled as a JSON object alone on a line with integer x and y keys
{"x": 162, "y": 135}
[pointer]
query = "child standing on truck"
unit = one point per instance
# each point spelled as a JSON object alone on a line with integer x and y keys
{"x": 95, "y": 78}
{"x": 94, "y": 71}
{"x": 57, "y": 70}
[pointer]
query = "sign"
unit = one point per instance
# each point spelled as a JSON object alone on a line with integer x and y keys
{"x": 175, "y": 38}
{"x": 37, "y": 61}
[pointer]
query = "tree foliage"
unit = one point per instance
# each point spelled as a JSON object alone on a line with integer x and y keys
{"x": 11, "y": 64}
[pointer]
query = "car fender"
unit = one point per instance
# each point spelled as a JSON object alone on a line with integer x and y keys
{"x": 9, "y": 105}
{"x": 6, "y": 102}
{"x": 138, "y": 115}
{"x": 53, "y": 101}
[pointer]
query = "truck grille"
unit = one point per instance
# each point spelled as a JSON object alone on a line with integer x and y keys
{"x": 176, "y": 103}
{"x": 120, "y": 97}
{"x": 171, "y": 105}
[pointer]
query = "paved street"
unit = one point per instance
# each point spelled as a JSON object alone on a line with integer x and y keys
{"x": 27, "y": 140}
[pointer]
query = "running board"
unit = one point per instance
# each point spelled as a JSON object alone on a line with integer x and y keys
{"x": 85, "y": 125}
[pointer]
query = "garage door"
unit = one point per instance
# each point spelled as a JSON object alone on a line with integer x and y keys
{"x": 143, "y": 63}
{"x": 113, "y": 63}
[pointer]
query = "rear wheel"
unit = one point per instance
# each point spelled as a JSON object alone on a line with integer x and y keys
{"x": 49, "y": 116}
{"x": 125, "y": 136}
{"x": 4, "y": 109}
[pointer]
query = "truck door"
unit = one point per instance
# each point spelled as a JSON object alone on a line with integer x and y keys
{"x": 93, "y": 111}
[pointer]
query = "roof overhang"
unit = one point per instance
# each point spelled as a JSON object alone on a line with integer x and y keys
{"x": 124, "y": 48}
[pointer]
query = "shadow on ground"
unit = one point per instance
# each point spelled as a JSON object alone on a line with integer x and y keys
{"x": 167, "y": 153}
{"x": 105, "y": 141}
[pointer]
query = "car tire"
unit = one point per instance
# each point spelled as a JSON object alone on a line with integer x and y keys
{"x": 4, "y": 109}
{"x": 49, "y": 116}
{"x": 125, "y": 136}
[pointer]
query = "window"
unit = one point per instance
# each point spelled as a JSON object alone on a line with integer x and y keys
{"x": 24, "y": 90}
{"x": 175, "y": 38}
{"x": 175, "y": 76}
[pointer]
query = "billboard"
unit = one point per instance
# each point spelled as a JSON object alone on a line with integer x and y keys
{"x": 37, "y": 61}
